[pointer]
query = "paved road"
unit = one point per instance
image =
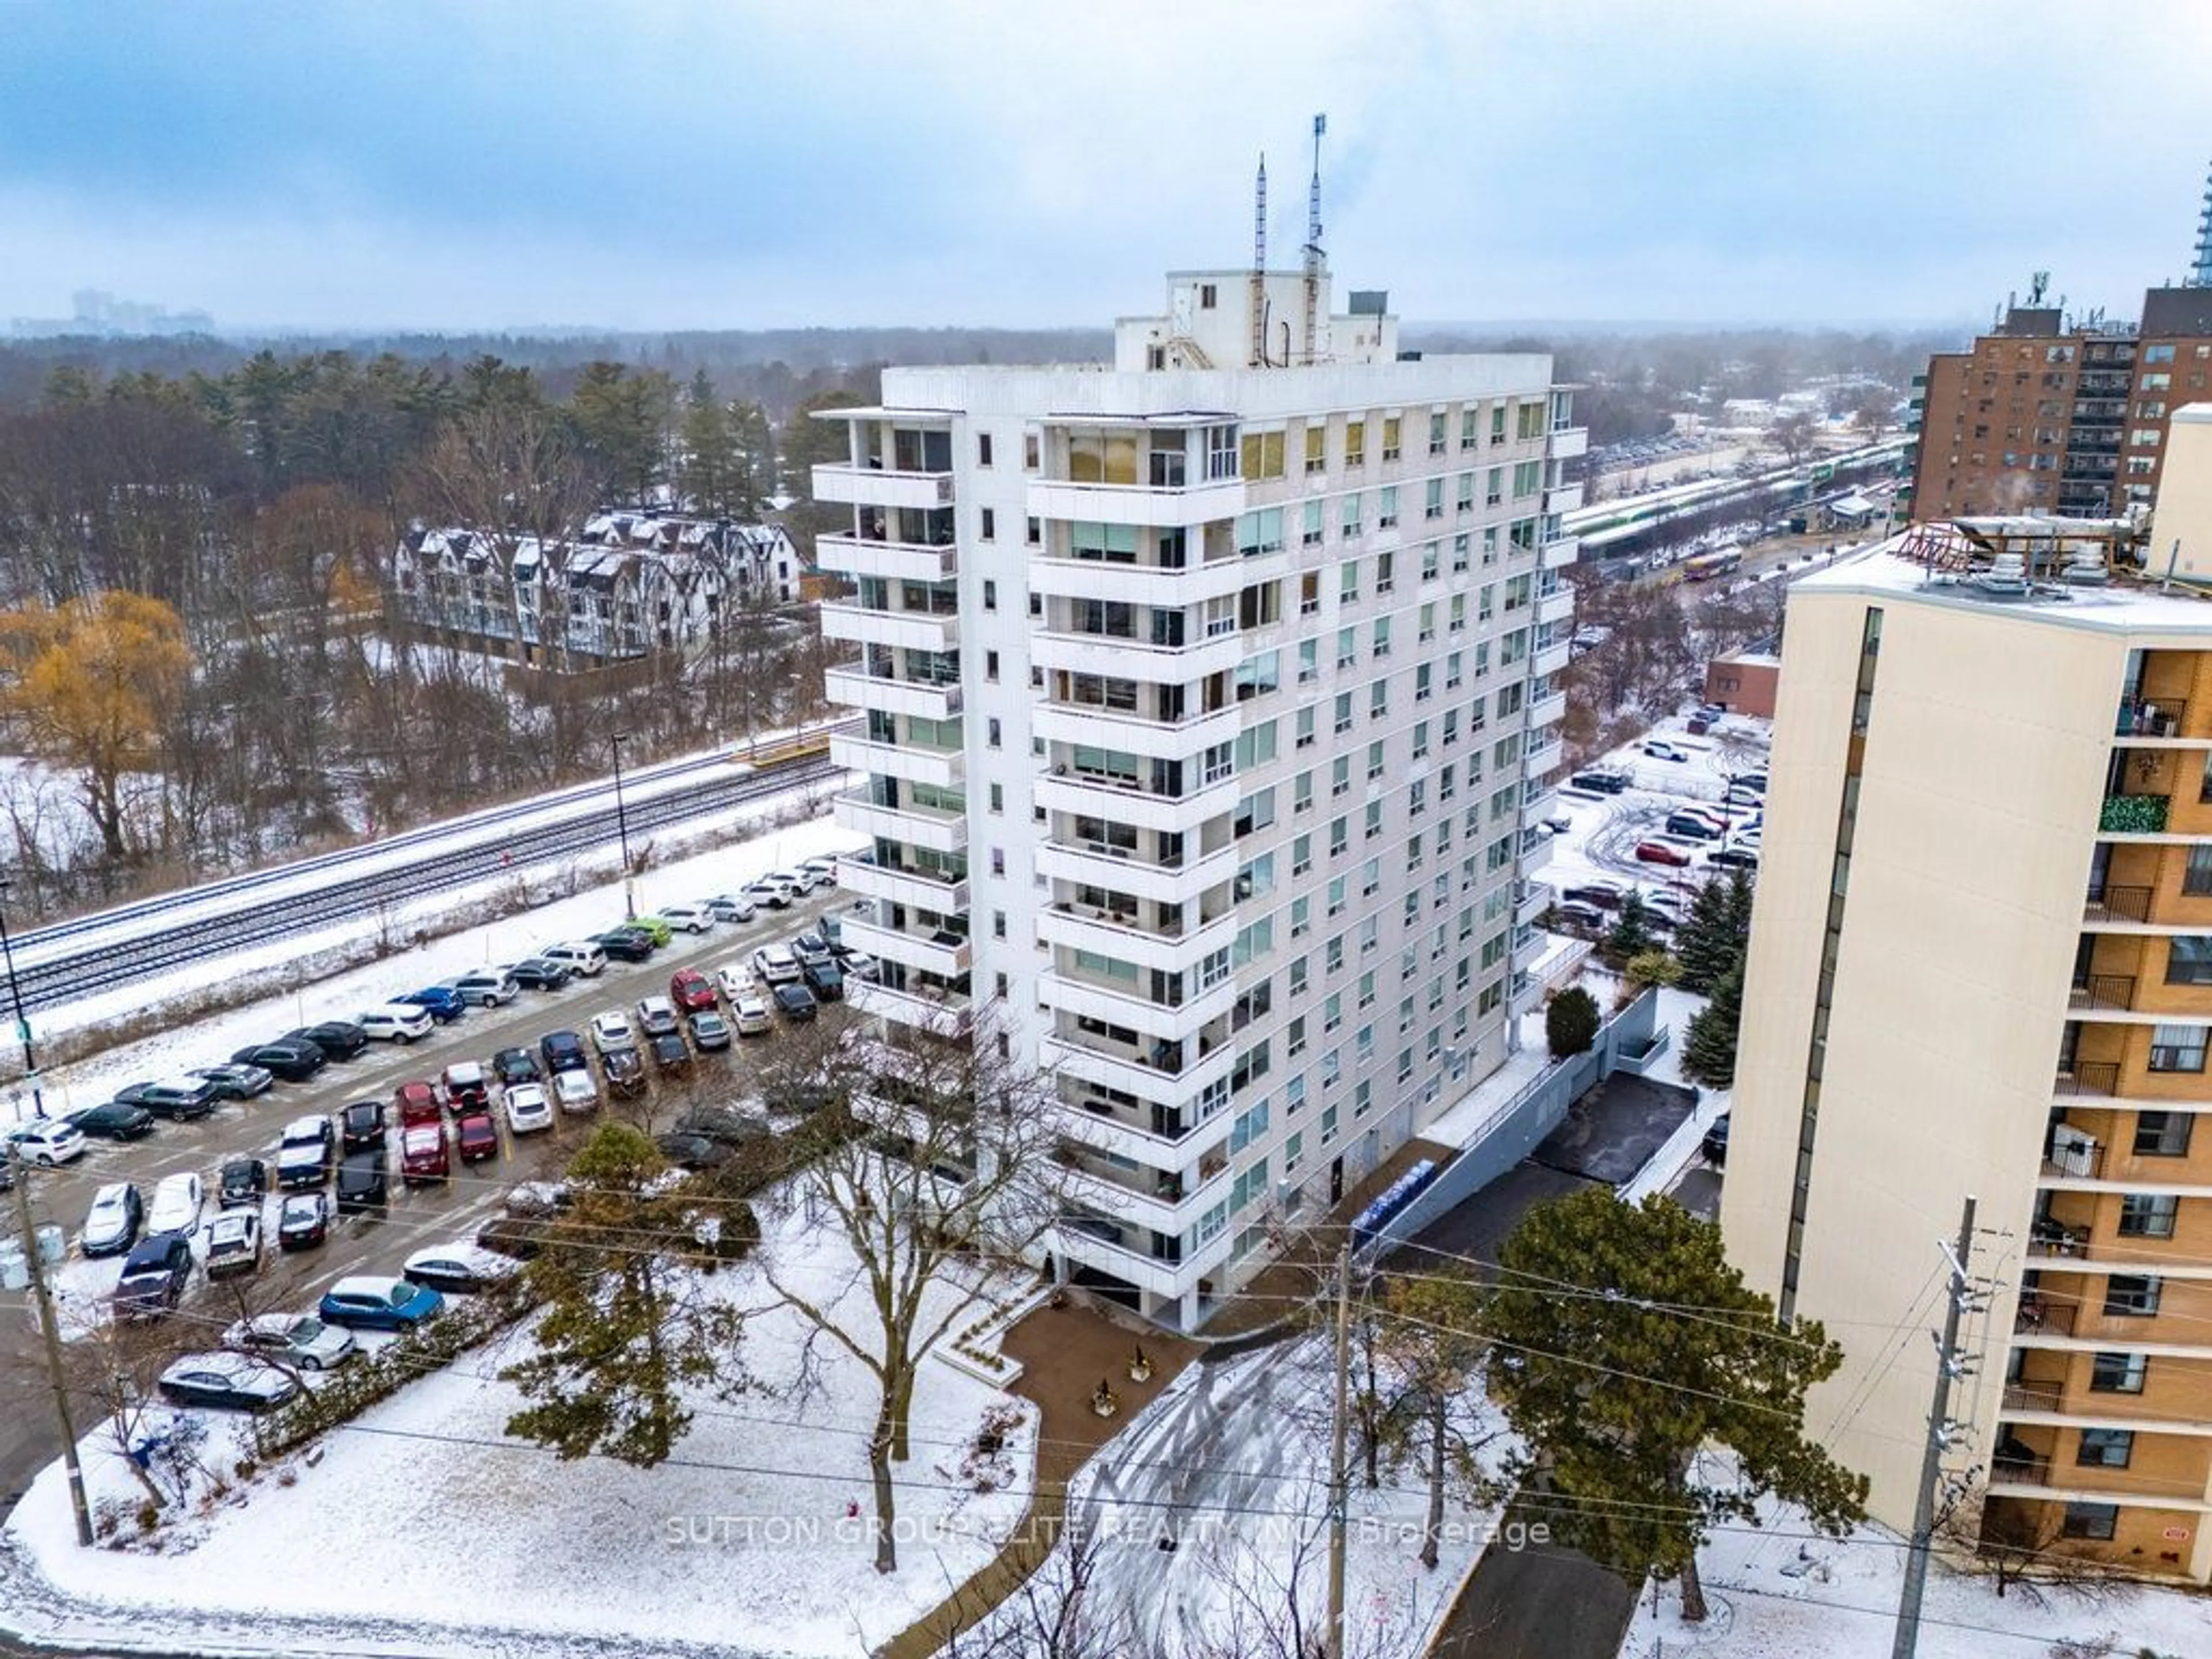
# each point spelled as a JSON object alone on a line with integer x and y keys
{"x": 29, "y": 1436}
{"x": 1537, "y": 1602}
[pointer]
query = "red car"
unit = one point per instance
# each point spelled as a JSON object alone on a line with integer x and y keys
{"x": 1658, "y": 851}
{"x": 418, "y": 1104}
{"x": 422, "y": 1153}
{"x": 479, "y": 1136}
{"x": 692, "y": 990}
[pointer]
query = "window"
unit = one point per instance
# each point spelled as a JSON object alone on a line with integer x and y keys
{"x": 983, "y": 458}
{"x": 1347, "y": 647}
{"x": 1343, "y": 709}
{"x": 1382, "y": 638}
{"x": 1379, "y": 708}
{"x": 1391, "y": 435}
{"x": 1376, "y": 764}
{"x": 1221, "y": 453}
{"x": 2148, "y": 1215}
{"x": 2177, "y": 1047}
{"x": 1310, "y": 526}
{"x": 1337, "y": 897}
{"x": 1386, "y": 571}
{"x": 1262, "y": 455}
{"x": 2163, "y": 1134}
{"x": 1467, "y": 422}
{"x": 1432, "y": 499}
{"x": 2091, "y": 1520}
{"x": 1349, "y": 520}
{"x": 1355, "y": 443}
{"x": 1347, "y": 581}
{"x": 1436, "y": 427}
{"x": 1205, "y": 296}
{"x": 1317, "y": 449}
{"x": 2130, "y": 1296}
{"x": 2189, "y": 960}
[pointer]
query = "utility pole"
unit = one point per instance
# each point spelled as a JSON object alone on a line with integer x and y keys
{"x": 622, "y": 829}
{"x": 50, "y": 1331}
{"x": 1337, "y": 1426}
{"x": 1949, "y": 1366}
{"x": 15, "y": 1000}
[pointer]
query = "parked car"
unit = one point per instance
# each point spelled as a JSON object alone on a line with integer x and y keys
{"x": 824, "y": 978}
{"x": 625, "y": 944}
{"x": 775, "y": 964}
{"x": 564, "y": 1051}
{"x": 177, "y": 1099}
{"x": 176, "y": 1205}
{"x": 476, "y": 1135}
{"x": 689, "y": 1152}
{"x": 1733, "y": 858}
{"x": 422, "y": 1153}
{"x": 48, "y": 1142}
{"x": 341, "y": 1039}
{"x": 1658, "y": 851}
{"x": 364, "y": 1184}
{"x": 226, "y": 1382}
{"x": 539, "y": 974}
{"x": 767, "y": 895}
{"x": 300, "y": 1340}
{"x": 361, "y": 1125}
{"x": 242, "y": 1183}
{"x": 154, "y": 1275}
{"x": 1742, "y": 794}
{"x": 749, "y": 1010}
{"x": 513, "y": 1066}
{"x": 373, "y": 1301}
{"x": 111, "y": 1224}
{"x": 686, "y": 918}
{"x": 794, "y": 1001}
{"x": 1599, "y": 894}
{"x": 1571, "y": 914}
{"x": 801, "y": 881}
{"x": 578, "y": 957}
{"x": 113, "y": 1121}
{"x": 306, "y": 1153}
{"x": 417, "y": 1103}
{"x": 611, "y": 1031}
{"x": 690, "y": 990}
{"x": 670, "y": 1052}
{"x": 657, "y": 928}
{"x": 303, "y": 1220}
{"x": 1599, "y": 780}
{"x": 576, "y": 1091}
{"x": 457, "y": 1268}
{"x": 1716, "y": 1144}
{"x": 855, "y": 964}
{"x": 296, "y": 1062}
{"x": 526, "y": 1108}
{"x": 486, "y": 988}
{"x": 233, "y": 1245}
{"x": 1690, "y": 824}
{"x": 656, "y": 1016}
{"x": 1664, "y": 751}
{"x": 625, "y": 1072}
{"x": 442, "y": 1002}
{"x": 734, "y": 979}
{"x": 809, "y": 947}
{"x": 710, "y": 1032}
{"x": 732, "y": 907}
{"x": 467, "y": 1086}
{"x": 235, "y": 1081}
{"x": 824, "y": 871}
{"x": 396, "y": 1022}
{"x": 721, "y": 1123}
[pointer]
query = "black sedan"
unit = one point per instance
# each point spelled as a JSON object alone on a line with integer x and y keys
{"x": 625, "y": 1070}
{"x": 296, "y": 1062}
{"x": 539, "y": 974}
{"x": 364, "y": 1184}
{"x": 338, "y": 1039}
{"x": 513, "y": 1066}
{"x": 691, "y": 1151}
{"x": 670, "y": 1052}
{"x": 115, "y": 1120}
{"x": 626, "y": 944}
{"x": 304, "y": 1221}
{"x": 1715, "y": 1145}
{"x": 179, "y": 1102}
{"x": 564, "y": 1051}
{"x": 244, "y": 1180}
{"x": 361, "y": 1126}
{"x": 794, "y": 1001}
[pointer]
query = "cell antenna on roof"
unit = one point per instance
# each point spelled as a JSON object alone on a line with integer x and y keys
{"x": 2037, "y": 282}
{"x": 1313, "y": 243}
{"x": 2201, "y": 273}
{"x": 1258, "y": 305}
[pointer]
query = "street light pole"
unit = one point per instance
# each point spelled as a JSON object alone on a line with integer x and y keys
{"x": 622, "y": 829}
{"x": 15, "y": 1002}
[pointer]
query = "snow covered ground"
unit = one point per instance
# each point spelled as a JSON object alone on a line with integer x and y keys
{"x": 422, "y": 1528}
{"x": 1782, "y": 1592}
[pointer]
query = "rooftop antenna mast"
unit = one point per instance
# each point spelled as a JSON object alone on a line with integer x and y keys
{"x": 2201, "y": 273}
{"x": 1258, "y": 305}
{"x": 1313, "y": 243}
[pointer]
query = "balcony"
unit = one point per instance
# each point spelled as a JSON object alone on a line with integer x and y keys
{"x": 1530, "y": 900}
{"x": 1569, "y": 441}
{"x": 2109, "y": 991}
{"x": 912, "y": 630}
{"x": 1548, "y": 659}
{"x": 944, "y": 768}
{"x": 2097, "y": 1079}
{"x": 1138, "y": 504}
{"x": 2133, "y": 815}
{"x": 1165, "y": 1203}
{"x": 1561, "y": 551}
{"x": 947, "y": 1016}
{"x": 2026, "y": 1396}
{"x": 2042, "y": 1315}
{"x": 908, "y": 825}
{"x": 944, "y": 953}
{"x": 1548, "y": 711}
{"x": 1081, "y": 927}
{"x": 2163, "y": 718}
{"x": 2117, "y": 904}
{"x": 1097, "y": 864}
{"x": 1130, "y": 1009}
{"x": 1132, "y": 734}
{"x": 2015, "y": 1470}
{"x": 916, "y": 886}
{"x": 1123, "y": 801}
{"x": 1556, "y": 606}
{"x": 1127, "y": 656}
{"x": 870, "y": 486}
{"x": 1188, "y": 584}
{"x": 1098, "y": 1241}
{"x": 858, "y": 686}
{"x": 1148, "y": 1070}
{"x": 897, "y": 562}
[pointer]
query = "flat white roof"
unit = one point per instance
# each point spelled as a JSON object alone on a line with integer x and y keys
{"x": 2125, "y": 605}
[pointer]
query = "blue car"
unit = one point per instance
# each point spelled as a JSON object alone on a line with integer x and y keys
{"x": 445, "y": 1003}
{"x": 372, "y": 1302}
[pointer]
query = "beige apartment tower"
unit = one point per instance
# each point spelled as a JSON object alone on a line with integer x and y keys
{"x": 1982, "y": 964}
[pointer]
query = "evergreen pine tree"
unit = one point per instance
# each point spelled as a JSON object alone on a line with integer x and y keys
{"x": 1739, "y": 907}
{"x": 1706, "y": 942}
{"x": 1631, "y": 933}
{"x": 1709, "y": 1046}
{"x": 1570, "y": 1023}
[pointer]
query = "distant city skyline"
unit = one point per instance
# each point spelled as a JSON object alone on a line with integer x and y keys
{"x": 670, "y": 166}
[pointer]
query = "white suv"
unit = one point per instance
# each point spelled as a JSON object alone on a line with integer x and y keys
{"x": 394, "y": 1023}
{"x": 776, "y": 964}
{"x": 49, "y": 1141}
{"x": 686, "y": 918}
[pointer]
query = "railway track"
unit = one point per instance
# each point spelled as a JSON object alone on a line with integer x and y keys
{"x": 176, "y": 929}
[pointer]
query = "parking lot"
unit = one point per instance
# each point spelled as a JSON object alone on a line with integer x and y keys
{"x": 415, "y": 1217}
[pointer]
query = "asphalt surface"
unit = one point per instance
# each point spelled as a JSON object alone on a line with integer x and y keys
{"x": 1698, "y": 1191}
{"x": 30, "y": 1438}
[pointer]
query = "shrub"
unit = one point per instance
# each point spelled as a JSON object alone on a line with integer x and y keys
{"x": 1570, "y": 1023}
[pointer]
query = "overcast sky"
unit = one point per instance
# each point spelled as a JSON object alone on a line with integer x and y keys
{"x": 649, "y": 164}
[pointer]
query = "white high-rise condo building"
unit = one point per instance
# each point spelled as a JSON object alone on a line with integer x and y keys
{"x": 1210, "y": 701}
